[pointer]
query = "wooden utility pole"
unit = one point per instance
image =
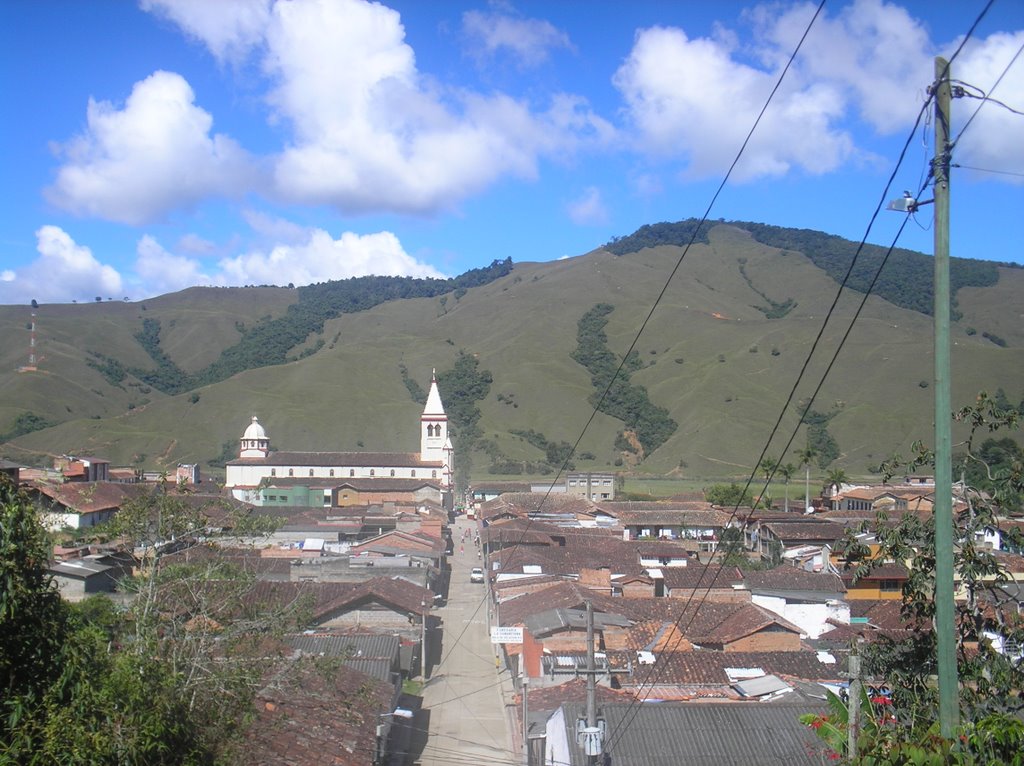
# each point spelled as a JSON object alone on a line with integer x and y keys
{"x": 949, "y": 698}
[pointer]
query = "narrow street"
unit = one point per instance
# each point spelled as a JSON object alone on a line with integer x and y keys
{"x": 463, "y": 704}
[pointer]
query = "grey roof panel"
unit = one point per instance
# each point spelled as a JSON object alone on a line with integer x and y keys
{"x": 708, "y": 734}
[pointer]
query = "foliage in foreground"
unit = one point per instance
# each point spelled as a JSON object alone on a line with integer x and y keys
{"x": 991, "y": 677}
{"x": 168, "y": 680}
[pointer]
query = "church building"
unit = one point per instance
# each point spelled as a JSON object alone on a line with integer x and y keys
{"x": 331, "y": 473}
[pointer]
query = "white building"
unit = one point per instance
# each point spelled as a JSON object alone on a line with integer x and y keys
{"x": 257, "y": 464}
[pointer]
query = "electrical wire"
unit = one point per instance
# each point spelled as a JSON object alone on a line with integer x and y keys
{"x": 984, "y": 97}
{"x": 655, "y": 670}
{"x": 675, "y": 269}
{"x": 986, "y": 170}
{"x": 658, "y": 299}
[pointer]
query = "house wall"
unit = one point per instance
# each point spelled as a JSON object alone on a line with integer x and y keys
{"x": 812, "y": 619}
{"x": 766, "y": 641}
{"x": 375, "y": 618}
{"x": 871, "y": 589}
{"x": 638, "y": 590}
{"x": 656, "y": 562}
{"x": 721, "y": 595}
{"x": 75, "y": 588}
{"x": 57, "y": 521}
{"x": 252, "y": 475}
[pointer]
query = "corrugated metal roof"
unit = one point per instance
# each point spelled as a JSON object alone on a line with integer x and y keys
{"x": 704, "y": 734}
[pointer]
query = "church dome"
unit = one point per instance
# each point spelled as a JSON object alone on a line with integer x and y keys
{"x": 255, "y": 430}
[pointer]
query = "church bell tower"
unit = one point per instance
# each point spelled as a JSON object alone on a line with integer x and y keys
{"x": 433, "y": 426}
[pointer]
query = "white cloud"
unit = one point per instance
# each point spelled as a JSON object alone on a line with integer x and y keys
{"x": 690, "y": 99}
{"x": 159, "y": 271}
{"x": 229, "y": 28}
{"x": 874, "y": 52}
{"x": 529, "y": 41}
{"x": 321, "y": 258}
{"x": 193, "y": 243}
{"x": 369, "y": 132}
{"x": 589, "y": 209}
{"x": 63, "y": 272}
{"x": 372, "y": 134}
{"x": 273, "y": 228}
{"x": 993, "y": 139}
{"x": 136, "y": 164}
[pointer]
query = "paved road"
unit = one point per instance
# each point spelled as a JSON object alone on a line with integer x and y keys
{"x": 463, "y": 707}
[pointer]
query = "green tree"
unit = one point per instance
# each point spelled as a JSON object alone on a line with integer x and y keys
{"x": 836, "y": 476}
{"x": 991, "y": 682}
{"x": 728, "y": 496}
{"x": 786, "y": 471}
{"x": 34, "y": 622}
{"x": 805, "y": 457}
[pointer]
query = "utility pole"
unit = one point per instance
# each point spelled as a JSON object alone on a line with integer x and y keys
{"x": 423, "y": 640}
{"x": 949, "y": 698}
{"x": 853, "y": 703}
{"x": 590, "y": 735}
{"x": 526, "y": 717}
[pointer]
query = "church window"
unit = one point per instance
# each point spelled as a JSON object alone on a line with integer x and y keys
{"x": 332, "y": 472}
{"x": 291, "y": 471}
{"x": 310, "y": 471}
{"x": 433, "y": 474}
{"x": 392, "y": 471}
{"x": 351, "y": 471}
{"x": 273, "y": 472}
{"x": 414, "y": 473}
{"x": 372, "y": 472}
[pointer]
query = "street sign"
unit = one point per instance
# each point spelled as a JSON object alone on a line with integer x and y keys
{"x": 506, "y": 635}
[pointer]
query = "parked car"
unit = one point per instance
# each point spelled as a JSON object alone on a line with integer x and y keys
{"x": 477, "y": 575}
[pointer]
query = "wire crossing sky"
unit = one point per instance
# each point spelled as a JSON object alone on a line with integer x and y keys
{"x": 150, "y": 147}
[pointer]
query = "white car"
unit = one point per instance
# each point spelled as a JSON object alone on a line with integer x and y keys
{"x": 476, "y": 575}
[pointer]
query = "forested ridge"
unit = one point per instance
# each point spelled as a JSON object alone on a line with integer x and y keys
{"x": 268, "y": 342}
{"x": 906, "y": 280}
{"x": 613, "y": 393}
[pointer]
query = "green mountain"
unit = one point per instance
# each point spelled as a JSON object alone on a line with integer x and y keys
{"x": 340, "y": 365}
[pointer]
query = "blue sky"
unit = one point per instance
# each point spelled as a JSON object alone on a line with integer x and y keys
{"x": 156, "y": 145}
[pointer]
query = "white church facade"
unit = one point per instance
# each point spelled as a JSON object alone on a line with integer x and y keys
{"x": 257, "y": 465}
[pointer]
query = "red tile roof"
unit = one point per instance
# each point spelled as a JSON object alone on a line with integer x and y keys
{"x": 308, "y": 717}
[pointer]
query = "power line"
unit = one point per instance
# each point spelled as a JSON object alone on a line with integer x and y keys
{"x": 679, "y": 262}
{"x": 984, "y": 97}
{"x": 986, "y": 170}
{"x": 656, "y": 671}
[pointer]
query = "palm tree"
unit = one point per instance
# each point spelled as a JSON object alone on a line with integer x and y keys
{"x": 786, "y": 471}
{"x": 836, "y": 476}
{"x": 806, "y": 457}
{"x": 768, "y": 466}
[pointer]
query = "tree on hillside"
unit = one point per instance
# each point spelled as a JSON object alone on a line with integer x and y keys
{"x": 767, "y": 466}
{"x": 805, "y": 457}
{"x": 836, "y": 477}
{"x": 786, "y": 471}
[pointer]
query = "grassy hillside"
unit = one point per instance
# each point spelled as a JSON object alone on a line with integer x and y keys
{"x": 710, "y": 355}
